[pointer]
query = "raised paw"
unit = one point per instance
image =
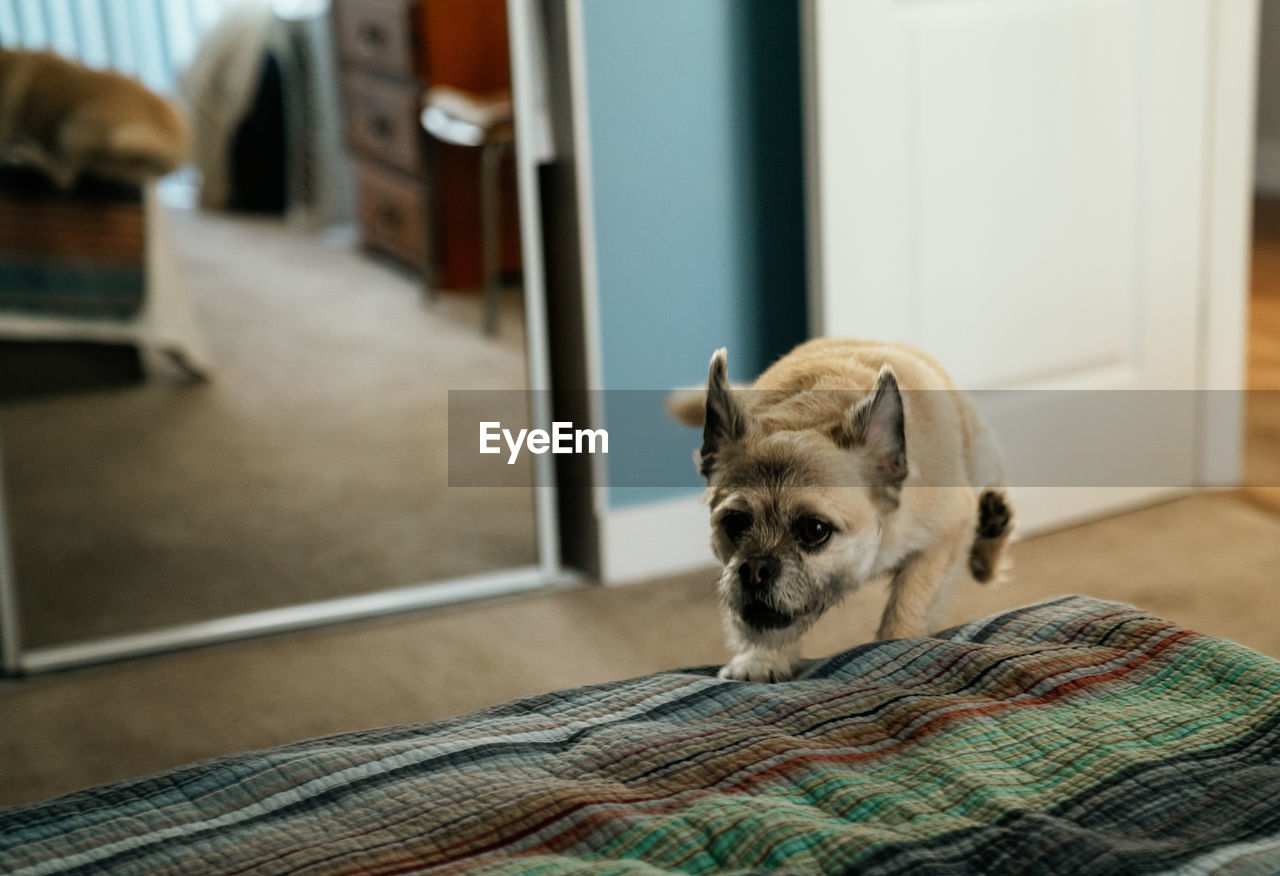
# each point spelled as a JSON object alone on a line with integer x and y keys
{"x": 994, "y": 515}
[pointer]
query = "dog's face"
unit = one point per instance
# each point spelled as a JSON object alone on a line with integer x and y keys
{"x": 798, "y": 510}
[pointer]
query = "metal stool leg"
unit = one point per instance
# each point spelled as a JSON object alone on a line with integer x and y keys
{"x": 10, "y": 633}
{"x": 464, "y": 119}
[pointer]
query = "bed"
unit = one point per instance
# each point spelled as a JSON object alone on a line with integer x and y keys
{"x": 1070, "y": 736}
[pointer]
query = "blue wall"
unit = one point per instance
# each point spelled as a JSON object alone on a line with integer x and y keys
{"x": 697, "y": 172}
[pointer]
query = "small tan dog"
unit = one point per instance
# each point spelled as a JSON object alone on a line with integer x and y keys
{"x": 826, "y": 474}
{"x": 67, "y": 119}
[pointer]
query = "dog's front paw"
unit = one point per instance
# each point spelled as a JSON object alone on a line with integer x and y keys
{"x": 754, "y": 666}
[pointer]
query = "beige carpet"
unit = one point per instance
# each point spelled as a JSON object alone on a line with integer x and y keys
{"x": 311, "y": 466}
{"x": 1209, "y": 562}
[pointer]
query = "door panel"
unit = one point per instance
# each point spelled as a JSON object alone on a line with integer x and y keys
{"x": 1016, "y": 187}
{"x": 1007, "y": 225}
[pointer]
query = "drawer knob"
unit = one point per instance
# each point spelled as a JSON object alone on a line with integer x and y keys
{"x": 389, "y": 219}
{"x": 379, "y": 127}
{"x": 371, "y": 37}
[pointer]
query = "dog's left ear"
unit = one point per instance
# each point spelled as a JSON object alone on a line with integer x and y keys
{"x": 877, "y": 424}
{"x": 724, "y": 420}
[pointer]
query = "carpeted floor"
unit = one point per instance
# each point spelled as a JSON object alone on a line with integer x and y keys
{"x": 312, "y": 466}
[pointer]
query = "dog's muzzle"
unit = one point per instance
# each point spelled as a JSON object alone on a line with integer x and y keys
{"x": 761, "y": 616}
{"x": 755, "y": 576}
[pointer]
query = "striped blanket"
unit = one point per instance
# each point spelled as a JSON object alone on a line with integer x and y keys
{"x": 1072, "y": 736}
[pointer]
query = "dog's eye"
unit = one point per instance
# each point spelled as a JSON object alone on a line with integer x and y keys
{"x": 813, "y": 531}
{"x": 735, "y": 524}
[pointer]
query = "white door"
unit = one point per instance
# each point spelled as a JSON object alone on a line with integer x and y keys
{"x": 1019, "y": 188}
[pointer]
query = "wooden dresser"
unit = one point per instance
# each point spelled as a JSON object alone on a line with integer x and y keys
{"x": 418, "y": 199}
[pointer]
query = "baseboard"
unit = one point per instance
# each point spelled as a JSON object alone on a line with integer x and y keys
{"x": 668, "y": 537}
{"x": 1266, "y": 168}
{"x": 1041, "y": 510}
{"x": 672, "y": 537}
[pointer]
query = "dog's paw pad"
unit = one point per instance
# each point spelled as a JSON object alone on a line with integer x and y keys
{"x": 994, "y": 515}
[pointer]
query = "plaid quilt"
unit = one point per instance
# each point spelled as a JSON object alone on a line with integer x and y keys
{"x": 1071, "y": 736}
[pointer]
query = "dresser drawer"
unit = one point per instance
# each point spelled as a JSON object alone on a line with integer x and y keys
{"x": 393, "y": 213}
{"x": 383, "y": 120}
{"x": 377, "y": 34}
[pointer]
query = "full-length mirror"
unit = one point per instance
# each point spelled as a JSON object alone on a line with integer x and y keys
{"x": 226, "y": 389}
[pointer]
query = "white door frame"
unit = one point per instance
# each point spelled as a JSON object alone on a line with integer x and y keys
{"x": 1233, "y": 98}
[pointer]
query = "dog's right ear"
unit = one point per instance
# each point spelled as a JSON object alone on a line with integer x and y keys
{"x": 724, "y": 420}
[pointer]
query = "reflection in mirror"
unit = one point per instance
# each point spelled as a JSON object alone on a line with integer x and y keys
{"x": 267, "y": 426}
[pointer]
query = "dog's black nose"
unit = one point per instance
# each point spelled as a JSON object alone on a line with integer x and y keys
{"x": 757, "y": 572}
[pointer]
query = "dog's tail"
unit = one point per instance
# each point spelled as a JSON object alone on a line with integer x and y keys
{"x": 995, "y": 523}
{"x": 689, "y": 406}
